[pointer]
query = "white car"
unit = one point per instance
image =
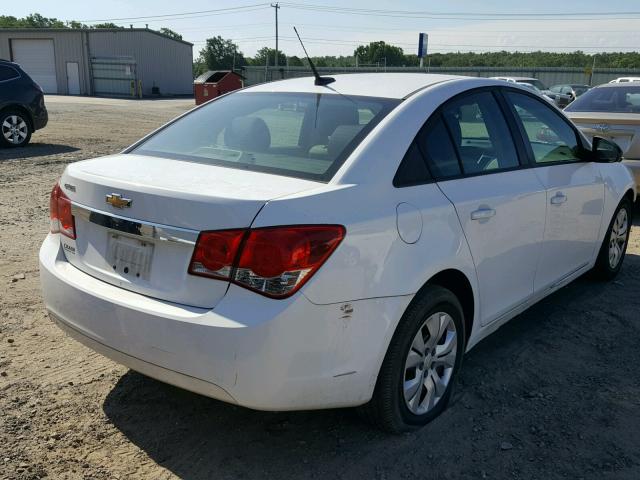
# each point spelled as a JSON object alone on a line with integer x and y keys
{"x": 344, "y": 253}
{"x": 625, "y": 80}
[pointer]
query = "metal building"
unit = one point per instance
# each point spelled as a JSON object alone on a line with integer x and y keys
{"x": 121, "y": 62}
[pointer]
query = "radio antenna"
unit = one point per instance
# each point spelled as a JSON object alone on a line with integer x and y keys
{"x": 319, "y": 80}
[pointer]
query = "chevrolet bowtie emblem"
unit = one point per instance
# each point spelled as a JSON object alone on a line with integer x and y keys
{"x": 116, "y": 200}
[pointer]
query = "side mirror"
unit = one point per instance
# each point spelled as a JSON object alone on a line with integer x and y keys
{"x": 605, "y": 151}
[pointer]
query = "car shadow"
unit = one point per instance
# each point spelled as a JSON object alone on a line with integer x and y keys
{"x": 542, "y": 386}
{"x": 35, "y": 150}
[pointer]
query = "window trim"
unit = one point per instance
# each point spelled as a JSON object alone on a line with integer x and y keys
{"x": 526, "y": 158}
{"x": 583, "y": 154}
{"x": 437, "y": 114}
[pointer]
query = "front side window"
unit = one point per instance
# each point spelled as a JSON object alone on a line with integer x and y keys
{"x": 550, "y": 137}
{"x": 301, "y": 135}
{"x": 480, "y": 134}
{"x": 8, "y": 73}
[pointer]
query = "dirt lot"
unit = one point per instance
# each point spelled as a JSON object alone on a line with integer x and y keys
{"x": 553, "y": 394}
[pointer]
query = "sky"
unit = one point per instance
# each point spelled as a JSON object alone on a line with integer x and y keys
{"x": 328, "y": 29}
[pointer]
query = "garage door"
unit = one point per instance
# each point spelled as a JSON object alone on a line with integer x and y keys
{"x": 37, "y": 59}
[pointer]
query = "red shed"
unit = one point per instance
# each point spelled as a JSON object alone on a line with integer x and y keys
{"x": 214, "y": 83}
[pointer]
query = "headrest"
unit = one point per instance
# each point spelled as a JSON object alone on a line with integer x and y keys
{"x": 250, "y": 133}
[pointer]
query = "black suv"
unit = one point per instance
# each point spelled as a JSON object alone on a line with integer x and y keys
{"x": 22, "y": 109}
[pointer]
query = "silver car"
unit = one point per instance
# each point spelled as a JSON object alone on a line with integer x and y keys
{"x": 612, "y": 111}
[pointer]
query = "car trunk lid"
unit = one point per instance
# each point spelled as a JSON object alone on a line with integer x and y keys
{"x": 137, "y": 219}
{"x": 622, "y": 128}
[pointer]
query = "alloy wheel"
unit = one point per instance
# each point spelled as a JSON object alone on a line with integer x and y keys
{"x": 618, "y": 238}
{"x": 15, "y": 129}
{"x": 430, "y": 362}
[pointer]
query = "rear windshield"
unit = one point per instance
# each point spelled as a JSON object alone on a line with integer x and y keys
{"x": 300, "y": 135}
{"x": 624, "y": 99}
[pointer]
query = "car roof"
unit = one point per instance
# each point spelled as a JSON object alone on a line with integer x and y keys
{"x": 386, "y": 85}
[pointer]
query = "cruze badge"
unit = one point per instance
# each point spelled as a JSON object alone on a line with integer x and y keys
{"x": 603, "y": 128}
{"x": 116, "y": 200}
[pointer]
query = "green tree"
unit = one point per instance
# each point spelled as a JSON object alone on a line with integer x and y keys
{"x": 35, "y": 20}
{"x": 221, "y": 54}
{"x": 76, "y": 25}
{"x": 377, "y": 52}
{"x": 106, "y": 25}
{"x": 170, "y": 33}
{"x": 296, "y": 61}
{"x": 269, "y": 54}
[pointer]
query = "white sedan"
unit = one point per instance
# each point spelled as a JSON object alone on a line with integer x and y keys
{"x": 345, "y": 252}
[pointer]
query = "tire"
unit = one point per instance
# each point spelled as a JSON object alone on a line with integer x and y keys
{"x": 15, "y": 129}
{"x": 609, "y": 264}
{"x": 392, "y": 407}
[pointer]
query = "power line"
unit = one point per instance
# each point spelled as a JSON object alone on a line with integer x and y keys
{"x": 169, "y": 16}
{"x": 462, "y": 15}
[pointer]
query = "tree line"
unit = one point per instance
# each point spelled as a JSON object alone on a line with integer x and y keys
{"x": 223, "y": 54}
{"x": 35, "y": 20}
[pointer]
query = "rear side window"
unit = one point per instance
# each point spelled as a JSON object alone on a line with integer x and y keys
{"x": 434, "y": 141}
{"x": 300, "y": 135}
{"x": 551, "y": 138}
{"x": 412, "y": 170}
{"x": 8, "y": 73}
{"x": 480, "y": 134}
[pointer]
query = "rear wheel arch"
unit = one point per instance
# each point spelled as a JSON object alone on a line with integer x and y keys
{"x": 19, "y": 109}
{"x": 457, "y": 283}
{"x": 629, "y": 195}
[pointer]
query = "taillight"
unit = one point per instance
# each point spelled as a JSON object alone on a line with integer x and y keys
{"x": 215, "y": 253}
{"x": 274, "y": 261}
{"x": 62, "y": 220}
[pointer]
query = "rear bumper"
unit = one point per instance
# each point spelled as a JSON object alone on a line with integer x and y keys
{"x": 260, "y": 353}
{"x": 41, "y": 119}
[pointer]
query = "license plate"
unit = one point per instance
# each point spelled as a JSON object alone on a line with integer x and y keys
{"x": 130, "y": 257}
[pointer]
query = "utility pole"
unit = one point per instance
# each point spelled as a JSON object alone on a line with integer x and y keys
{"x": 276, "y": 6}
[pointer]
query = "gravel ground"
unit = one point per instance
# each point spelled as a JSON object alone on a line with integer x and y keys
{"x": 553, "y": 394}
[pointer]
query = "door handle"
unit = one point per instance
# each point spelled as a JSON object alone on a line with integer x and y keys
{"x": 482, "y": 213}
{"x": 558, "y": 198}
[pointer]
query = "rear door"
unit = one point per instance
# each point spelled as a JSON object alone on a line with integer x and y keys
{"x": 470, "y": 151}
{"x": 575, "y": 189}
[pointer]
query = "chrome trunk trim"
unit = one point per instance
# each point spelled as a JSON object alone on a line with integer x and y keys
{"x": 148, "y": 230}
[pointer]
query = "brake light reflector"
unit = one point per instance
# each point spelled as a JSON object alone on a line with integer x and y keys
{"x": 273, "y": 261}
{"x": 62, "y": 220}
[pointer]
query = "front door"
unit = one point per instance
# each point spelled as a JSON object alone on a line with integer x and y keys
{"x": 575, "y": 190}
{"x": 501, "y": 206}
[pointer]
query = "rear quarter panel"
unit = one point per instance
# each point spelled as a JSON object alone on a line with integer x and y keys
{"x": 618, "y": 180}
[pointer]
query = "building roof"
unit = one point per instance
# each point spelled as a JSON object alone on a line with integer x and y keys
{"x": 389, "y": 85}
{"x": 101, "y": 30}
